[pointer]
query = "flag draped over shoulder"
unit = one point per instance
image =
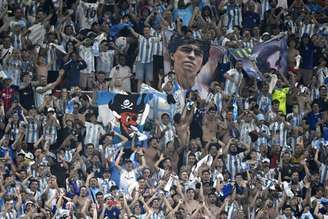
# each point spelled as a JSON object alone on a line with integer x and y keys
{"x": 271, "y": 54}
{"x": 125, "y": 111}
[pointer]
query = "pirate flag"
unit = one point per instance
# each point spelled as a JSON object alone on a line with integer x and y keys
{"x": 126, "y": 112}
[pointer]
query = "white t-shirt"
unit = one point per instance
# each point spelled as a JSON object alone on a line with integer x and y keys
{"x": 105, "y": 61}
{"x": 87, "y": 14}
{"x": 119, "y": 71}
{"x": 128, "y": 181}
{"x": 87, "y": 55}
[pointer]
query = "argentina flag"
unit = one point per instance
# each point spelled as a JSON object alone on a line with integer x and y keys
{"x": 158, "y": 104}
{"x": 126, "y": 112}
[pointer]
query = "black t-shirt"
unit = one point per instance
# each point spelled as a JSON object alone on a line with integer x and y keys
{"x": 60, "y": 172}
{"x": 196, "y": 125}
{"x": 26, "y": 97}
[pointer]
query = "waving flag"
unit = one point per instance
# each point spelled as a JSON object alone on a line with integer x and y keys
{"x": 271, "y": 54}
{"x": 125, "y": 111}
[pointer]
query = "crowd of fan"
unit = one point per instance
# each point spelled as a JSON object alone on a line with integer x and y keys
{"x": 259, "y": 153}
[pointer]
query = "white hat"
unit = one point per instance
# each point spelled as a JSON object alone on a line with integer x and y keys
{"x": 50, "y": 109}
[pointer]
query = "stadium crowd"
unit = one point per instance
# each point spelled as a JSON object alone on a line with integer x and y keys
{"x": 249, "y": 148}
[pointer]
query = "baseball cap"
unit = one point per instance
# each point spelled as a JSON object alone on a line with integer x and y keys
{"x": 266, "y": 160}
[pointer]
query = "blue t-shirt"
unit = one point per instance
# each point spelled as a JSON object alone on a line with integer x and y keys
{"x": 312, "y": 120}
{"x": 307, "y": 53}
{"x": 314, "y": 7}
{"x": 251, "y": 19}
{"x": 113, "y": 213}
{"x": 185, "y": 14}
{"x": 3, "y": 151}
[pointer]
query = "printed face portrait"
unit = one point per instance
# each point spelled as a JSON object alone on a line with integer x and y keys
{"x": 188, "y": 61}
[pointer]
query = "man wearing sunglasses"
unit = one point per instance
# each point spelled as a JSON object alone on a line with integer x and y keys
{"x": 187, "y": 56}
{"x": 194, "y": 64}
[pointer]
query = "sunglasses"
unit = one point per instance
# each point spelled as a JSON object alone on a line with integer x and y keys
{"x": 186, "y": 49}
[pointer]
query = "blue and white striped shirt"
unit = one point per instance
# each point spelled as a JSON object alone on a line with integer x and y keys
{"x": 218, "y": 99}
{"x": 248, "y": 44}
{"x": 32, "y": 131}
{"x": 261, "y": 139}
{"x": 279, "y": 134}
{"x": 264, "y": 103}
{"x": 146, "y": 49}
{"x": 323, "y": 173}
{"x": 158, "y": 45}
{"x": 197, "y": 35}
{"x": 231, "y": 87}
{"x": 265, "y": 6}
{"x": 234, "y": 15}
{"x": 294, "y": 119}
{"x": 309, "y": 29}
{"x": 234, "y": 163}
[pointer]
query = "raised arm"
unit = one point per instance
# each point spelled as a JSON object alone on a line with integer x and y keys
{"x": 161, "y": 158}
{"x": 122, "y": 137}
{"x": 133, "y": 32}
{"x": 145, "y": 205}
{"x": 247, "y": 147}
{"x": 118, "y": 160}
{"x": 316, "y": 158}
{"x": 173, "y": 211}
{"x": 52, "y": 85}
{"x": 226, "y": 146}
{"x": 143, "y": 161}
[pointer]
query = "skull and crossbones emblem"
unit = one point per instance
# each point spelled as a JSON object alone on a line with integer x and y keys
{"x": 127, "y": 105}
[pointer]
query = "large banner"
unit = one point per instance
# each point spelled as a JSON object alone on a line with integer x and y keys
{"x": 189, "y": 65}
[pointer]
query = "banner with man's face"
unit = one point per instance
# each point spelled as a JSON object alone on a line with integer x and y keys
{"x": 194, "y": 62}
